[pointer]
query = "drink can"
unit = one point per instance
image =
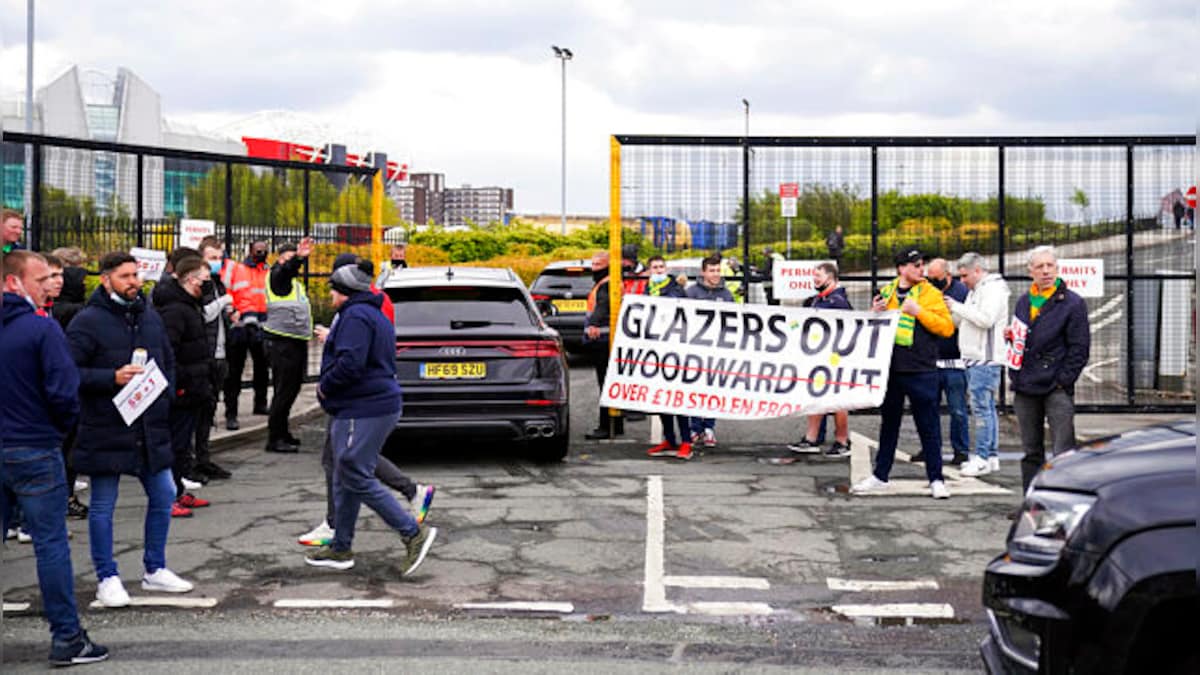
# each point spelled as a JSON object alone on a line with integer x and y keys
{"x": 139, "y": 357}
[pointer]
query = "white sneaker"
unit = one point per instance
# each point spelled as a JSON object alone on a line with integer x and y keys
{"x": 976, "y": 466}
{"x": 419, "y": 504}
{"x": 710, "y": 438}
{"x": 111, "y": 592}
{"x": 994, "y": 463}
{"x": 189, "y": 484}
{"x": 80, "y": 485}
{"x": 868, "y": 484}
{"x": 10, "y": 534}
{"x": 23, "y": 537}
{"x": 937, "y": 489}
{"x": 321, "y": 535}
{"x": 165, "y": 581}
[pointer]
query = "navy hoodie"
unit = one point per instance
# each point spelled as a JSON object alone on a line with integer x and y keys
{"x": 102, "y": 338}
{"x": 358, "y": 364}
{"x": 41, "y": 383}
{"x": 835, "y": 299}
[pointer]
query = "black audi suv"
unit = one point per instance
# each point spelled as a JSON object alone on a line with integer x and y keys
{"x": 475, "y": 359}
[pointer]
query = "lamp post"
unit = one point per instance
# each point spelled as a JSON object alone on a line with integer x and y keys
{"x": 746, "y": 205}
{"x": 30, "y": 216}
{"x": 563, "y": 54}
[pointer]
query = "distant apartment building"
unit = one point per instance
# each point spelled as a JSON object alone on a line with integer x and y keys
{"x": 477, "y": 205}
{"x": 422, "y": 199}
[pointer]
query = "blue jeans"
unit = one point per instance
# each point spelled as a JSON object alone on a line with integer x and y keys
{"x": 699, "y": 424}
{"x": 357, "y": 443}
{"x": 954, "y": 387}
{"x": 983, "y": 383}
{"x": 922, "y": 392}
{"x": 669, "y": 423}
{"x": 35, "y": 479}
{"x": 160, "y": 492}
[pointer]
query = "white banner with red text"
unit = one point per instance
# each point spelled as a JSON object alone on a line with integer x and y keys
{"x": 744, "y": 362}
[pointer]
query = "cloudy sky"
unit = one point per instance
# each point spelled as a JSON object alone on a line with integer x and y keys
{"x": 470, "y": 88}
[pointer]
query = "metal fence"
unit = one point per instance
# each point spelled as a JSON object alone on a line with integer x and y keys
{"x": 1108, "y": 198}
{"x": 104, "y": 197}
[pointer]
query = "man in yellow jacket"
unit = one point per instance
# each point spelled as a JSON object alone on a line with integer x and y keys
{"x": 913, "y": 372}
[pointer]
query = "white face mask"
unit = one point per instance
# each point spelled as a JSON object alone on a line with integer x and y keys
{"x": 25, "y": 294}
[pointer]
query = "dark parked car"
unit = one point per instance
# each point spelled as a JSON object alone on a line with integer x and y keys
{"x": 1100, "y": 572}
{"x": 474, "y": 358}
{"x": 560, "y": 292}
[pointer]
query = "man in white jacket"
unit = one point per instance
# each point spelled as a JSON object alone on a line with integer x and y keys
{"x": 981, "y": 320}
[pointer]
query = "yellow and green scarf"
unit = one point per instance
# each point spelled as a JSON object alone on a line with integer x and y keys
{"x": 1037, "y": 298}
{"x": 908, "y": 323}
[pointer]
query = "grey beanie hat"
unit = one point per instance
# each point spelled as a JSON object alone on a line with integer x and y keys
{"x": 351, "y": 279}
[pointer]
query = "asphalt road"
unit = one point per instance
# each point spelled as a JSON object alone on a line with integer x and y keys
{"x": 726, "y": 563}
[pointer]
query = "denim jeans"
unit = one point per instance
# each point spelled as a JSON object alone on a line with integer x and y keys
{"x": 385, "y": 470}
{"x": 922, "y": 392}
{"x": 356, "y": 446}
{"x": 160, "y": 492}
{"x": 1034, "y": 413}
{"x": 699, "y": 424}
{"x": 35, "y": 479}
{"x": 983, "y": 382}
{"x": 954, "y": 388}
{"x": 670, "y": 422}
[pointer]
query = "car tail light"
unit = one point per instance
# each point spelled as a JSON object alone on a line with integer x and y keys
{"x": 531, "y": 348}
{"x": 538, "y": 297}
{"x": 543, "y": 402}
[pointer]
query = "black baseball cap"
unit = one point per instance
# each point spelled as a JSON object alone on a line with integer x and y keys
{"x": 907, "y": 256}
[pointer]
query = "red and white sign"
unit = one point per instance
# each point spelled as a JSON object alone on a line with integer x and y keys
{"x": 1085, "y": 276}
{"x": 144, "y": 389}
{"x": 788, "y": 195}
{"x": 1016, "y": 335}
{"x": 793, "y": 279}
{"x": 1191, "y": 197}
{"x": 150, "y": 263}
{"x": 192, "y": 231}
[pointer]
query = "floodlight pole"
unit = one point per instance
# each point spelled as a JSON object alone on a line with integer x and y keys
{"x": 563, "y": 54}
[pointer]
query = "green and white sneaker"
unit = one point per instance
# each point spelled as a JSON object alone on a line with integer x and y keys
{"x": 325, "y": 556}
{"x": 417, "y": 546}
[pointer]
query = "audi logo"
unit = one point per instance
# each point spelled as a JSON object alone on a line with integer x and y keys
{"x": 453, "y": 351}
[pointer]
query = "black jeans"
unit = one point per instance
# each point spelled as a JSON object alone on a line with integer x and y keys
{"x": 599, "y": 355}
{"x": 921, "y": 389}
{"x": 245, "y": 340}
{"x": 183, "y": 432}
{"x": 219, "y": 370}
{"x": 289, "y": 361}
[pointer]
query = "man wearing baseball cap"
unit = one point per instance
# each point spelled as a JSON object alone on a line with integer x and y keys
{"x": 913, "y": 373}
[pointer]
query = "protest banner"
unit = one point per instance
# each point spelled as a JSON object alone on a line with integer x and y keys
{"x": 712, "y": 359}
{"x": 150, "y": 263}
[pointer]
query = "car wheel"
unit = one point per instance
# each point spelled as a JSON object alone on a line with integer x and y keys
{"x": 553, "y": 449}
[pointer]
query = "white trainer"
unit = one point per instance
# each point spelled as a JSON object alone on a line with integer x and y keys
{"x": 80, "y": 485}
{"x": 189, "y": 484}
{"x": 868, "y": 484}
{"x": 321, "y": 535}
{"x": 710, "y": 438}
{"x": 976, "y": 466}
{"x": 111, "y": 592}
{"x": 937, "y": 489}
{"x": 165, "y": 581}
{"x": 994, "y": 463}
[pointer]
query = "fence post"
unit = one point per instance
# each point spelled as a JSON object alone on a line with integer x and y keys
{"x": 874, "y": 218}
{"x": 141, "y": 177}
{"x": 1001, "y": 216}
{"x": 746, "y": 220}
{"x": 1129, "y": 327}
{"x": 229, "y": 212}
{"x": 306, "y": 226}
{"x": 35, "y": 183}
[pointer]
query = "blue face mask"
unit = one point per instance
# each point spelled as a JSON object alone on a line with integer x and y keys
{"x": 215, "y": 266}
{"x": 658, "y": 278}
{"x": 115, "y": 297}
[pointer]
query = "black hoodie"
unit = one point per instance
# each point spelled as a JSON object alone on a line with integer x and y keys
{"x": 184, "y": 319}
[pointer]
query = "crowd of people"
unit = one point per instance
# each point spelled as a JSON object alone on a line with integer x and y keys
{"x": 119, "y": 382}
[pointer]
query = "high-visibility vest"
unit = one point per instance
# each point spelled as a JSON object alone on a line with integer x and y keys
{"x": 248, "y": 287}
{"x": 289, "y": 315}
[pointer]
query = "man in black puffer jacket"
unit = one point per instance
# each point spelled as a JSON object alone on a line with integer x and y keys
{"x": 177, "y": 299}
{"x": 103, "y": 337}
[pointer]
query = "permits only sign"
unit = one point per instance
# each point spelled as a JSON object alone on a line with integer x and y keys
{"x": 1085, "y": 276}
{"x": 793, "y": 279}
{"x": 193, "y": 230}
{"x": 714, "y": 359}
{"x": 789, "y": 193}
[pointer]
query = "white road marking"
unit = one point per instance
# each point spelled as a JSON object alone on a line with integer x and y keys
{"x": 860, "y": 468}
{"x": 1087, "y": 370}
{"x": 162, "y": 601}
{"x": 729, "y": 608}
{"x": 912, "y": 610}
{"x": 1103, "y": 309}
{"x": 560, "y": 607}
{"x": 15, "y": 607}
{"x": 755, "y": 583}
{"x": 315, "y": 603}
{"x": 654, "y": 591}
{"x": 862, "y": 585}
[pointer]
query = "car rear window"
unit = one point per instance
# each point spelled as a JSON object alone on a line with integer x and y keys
{"x": 576, "y": 280}
{"x": 460, "y": 307}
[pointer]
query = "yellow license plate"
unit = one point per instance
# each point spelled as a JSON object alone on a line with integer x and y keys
{"x": 571, "y": 305}
{"x": 474, "y": 370}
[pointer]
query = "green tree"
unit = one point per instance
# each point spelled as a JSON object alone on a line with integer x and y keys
{"x": 1080, "y": 199}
